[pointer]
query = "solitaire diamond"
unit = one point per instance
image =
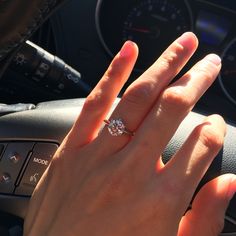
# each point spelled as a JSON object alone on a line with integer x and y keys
{"x": 116, "y": 127}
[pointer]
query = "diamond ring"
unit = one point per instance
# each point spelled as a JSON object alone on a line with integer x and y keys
{"x": 116, "y": 127}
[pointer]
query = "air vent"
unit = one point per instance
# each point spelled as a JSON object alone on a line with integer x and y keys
{"x": 44, "y": 37}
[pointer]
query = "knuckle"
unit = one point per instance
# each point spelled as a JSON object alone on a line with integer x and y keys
{"x": 174, "y": 98}
{"x": 139, "y": 94}
{"x": 115, "y": 69}
{"x": 94, "y": 101}
{"x": 167, "y": 59}
{"x": 209, "y": 137}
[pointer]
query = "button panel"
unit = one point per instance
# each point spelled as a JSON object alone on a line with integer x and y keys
{"x": 22, "y": 164}
{"x": 39, "y": 160}
{"x": 11, "y": 164}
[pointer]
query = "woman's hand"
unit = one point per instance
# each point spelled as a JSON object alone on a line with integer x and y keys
{"x": 99, "y": 184}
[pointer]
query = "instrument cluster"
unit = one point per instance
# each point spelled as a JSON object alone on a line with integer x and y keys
{"x": 154, "y": 24}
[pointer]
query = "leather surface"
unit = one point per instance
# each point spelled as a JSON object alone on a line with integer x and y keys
{"x": 50, "y": 121}
{"x": 224, "y": 162}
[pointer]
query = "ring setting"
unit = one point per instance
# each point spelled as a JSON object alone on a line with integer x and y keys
{"x": 116, "y": 127}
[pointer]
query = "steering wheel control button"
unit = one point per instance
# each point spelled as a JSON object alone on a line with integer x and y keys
{"x": 11, "y": 164}
{"x": 14, "y": 158}
{"x": 38, "y": 163}
{"x": 5, "y": 178}
{"x": 6, "y": 183}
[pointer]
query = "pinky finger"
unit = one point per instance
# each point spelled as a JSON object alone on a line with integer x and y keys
{"x": 100, "y": 100}
{"x": 206, "y": 218}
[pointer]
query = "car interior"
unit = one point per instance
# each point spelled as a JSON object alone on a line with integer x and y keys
{"x": 50, "y": 65}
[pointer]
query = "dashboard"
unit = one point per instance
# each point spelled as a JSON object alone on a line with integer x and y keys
{"x": 87, "y": 34}
{"x": 154, "y": 24}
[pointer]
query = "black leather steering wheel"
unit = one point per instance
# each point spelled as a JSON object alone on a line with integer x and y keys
{"x": 49, "y": 122}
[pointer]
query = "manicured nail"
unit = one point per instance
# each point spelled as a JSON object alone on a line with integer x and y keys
{"x": 232, "y": 188}
{"x": 188, "y": 40}
{"x": 215, "y": 59}
{"x": 183, "y": 38}
{"x": 127, "y": 49}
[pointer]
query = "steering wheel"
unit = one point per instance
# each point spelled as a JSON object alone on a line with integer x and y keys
{"x": 33, "y": 135}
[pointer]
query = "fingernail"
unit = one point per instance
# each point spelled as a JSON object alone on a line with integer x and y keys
{"x": 215, "y": 59}
{"x": 188, "y": 41}
{"x": 183, "y": 38}
{"x": 232, "y": 188}
{"x": 127, "y": 49}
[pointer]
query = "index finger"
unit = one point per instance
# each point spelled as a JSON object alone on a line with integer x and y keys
{"x": 100, "y": 100}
